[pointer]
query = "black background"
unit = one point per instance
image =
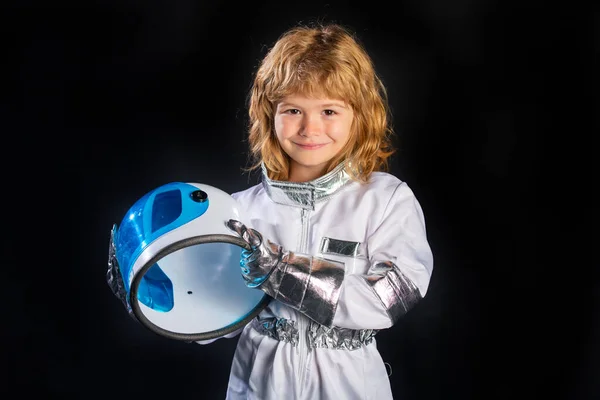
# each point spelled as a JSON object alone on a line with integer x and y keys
{"x": 103, "y": 101}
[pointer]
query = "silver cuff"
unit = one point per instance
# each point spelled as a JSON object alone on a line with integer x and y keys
{"x": 397, "y": 293}
{"x": 308, "y": 284}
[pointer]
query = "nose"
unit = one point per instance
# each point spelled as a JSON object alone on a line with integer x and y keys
{"x": 311, "y": 126}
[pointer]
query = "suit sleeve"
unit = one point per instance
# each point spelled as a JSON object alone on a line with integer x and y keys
{"x": 400, "y": 268}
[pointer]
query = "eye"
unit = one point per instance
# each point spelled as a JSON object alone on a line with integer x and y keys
{"x": 329, "y": 112}
{"x": 293, "y": 111}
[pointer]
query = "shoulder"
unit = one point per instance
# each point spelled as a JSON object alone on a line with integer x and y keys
{"x": 383, "y": 183}
{"x": 380, "y": 180}
{"x": 389, "y": 186}
{"x": 250, "y": 193}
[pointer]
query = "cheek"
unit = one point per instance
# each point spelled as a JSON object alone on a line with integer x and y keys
{"x": 283, "y": 128}
{"x": 341, "y": 132}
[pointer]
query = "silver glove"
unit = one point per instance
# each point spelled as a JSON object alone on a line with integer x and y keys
{"x": 258, "y": 263}
{"x": 308, "y": 284}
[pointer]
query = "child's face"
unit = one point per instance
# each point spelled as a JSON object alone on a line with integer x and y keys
{"x": 312, "y": 131}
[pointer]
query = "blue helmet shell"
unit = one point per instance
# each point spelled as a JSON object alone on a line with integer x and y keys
{"x": 159, "y": 211}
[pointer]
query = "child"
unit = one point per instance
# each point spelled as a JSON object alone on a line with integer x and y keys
{"x": 339, "y": 244}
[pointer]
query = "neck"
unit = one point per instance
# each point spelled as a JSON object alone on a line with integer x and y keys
{"x": 299, "y": 173}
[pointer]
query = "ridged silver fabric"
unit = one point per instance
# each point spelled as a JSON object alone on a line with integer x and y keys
{"x": 396, "y": 291}
{"x": 113, "y": 274}
{"x": 308, "y": 284}
{"x": 338, "y": 338}
{"x": 339, "y": 247}
{"x": 305, "y": 194}
{"x": 281, "y": 329}
{"x": 335, "y": 338}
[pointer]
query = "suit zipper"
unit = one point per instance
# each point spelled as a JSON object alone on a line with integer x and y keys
{"x": 302, "y": 348}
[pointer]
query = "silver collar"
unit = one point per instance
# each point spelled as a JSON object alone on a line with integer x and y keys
{"x": 305, "y": 194}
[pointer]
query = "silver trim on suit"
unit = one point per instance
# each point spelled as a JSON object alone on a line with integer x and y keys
{"x": 335, "y": 338}
{"x": 308, "y": 284}
{"x": 397, "y": 293}
{"x": 305, "y": 194}
{"x": 339, "y": 247}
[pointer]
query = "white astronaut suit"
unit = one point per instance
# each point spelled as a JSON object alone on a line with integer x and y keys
{"x": 360, "y": 261}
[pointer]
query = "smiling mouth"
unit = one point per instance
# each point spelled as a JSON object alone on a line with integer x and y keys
{"x": 311, "y": 146}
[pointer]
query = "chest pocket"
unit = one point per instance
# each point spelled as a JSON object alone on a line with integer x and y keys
{"x": 353, "y": 254}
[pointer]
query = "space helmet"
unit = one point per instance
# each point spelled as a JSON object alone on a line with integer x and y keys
{"x": 176, "y": 266}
